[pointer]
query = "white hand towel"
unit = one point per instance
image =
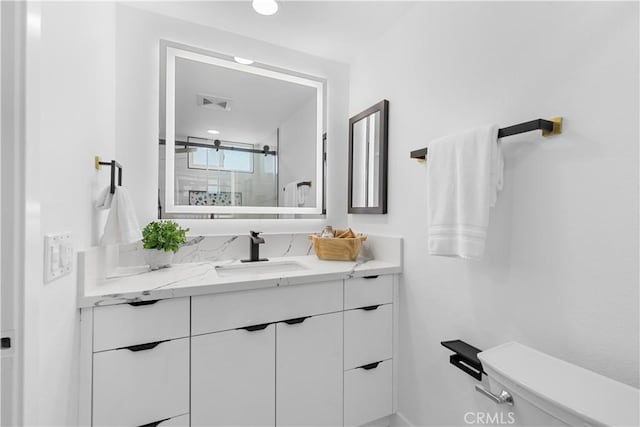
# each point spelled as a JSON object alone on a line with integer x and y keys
{"x": 104, "y": 199}
{"x": 294, "y": 196}
{"x": 302, "y": 192}
{"x": 464, "y": 175}
{"x": 122, "y": 225}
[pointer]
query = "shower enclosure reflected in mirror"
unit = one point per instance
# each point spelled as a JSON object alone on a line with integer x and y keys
{"x": 238, "y": 140}
{"x": 368, "y": 134}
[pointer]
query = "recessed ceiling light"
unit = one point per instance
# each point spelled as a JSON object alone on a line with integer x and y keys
{"x": 213, "y": 131}
{"x": 265, "y": 7}
{"x": 244, "y": 61}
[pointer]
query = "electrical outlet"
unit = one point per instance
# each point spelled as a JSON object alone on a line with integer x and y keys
{"x": 58, "y": 256}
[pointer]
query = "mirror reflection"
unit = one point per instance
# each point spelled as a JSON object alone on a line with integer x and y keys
{"x": 244, "y": 142}
{"x": 368, "y": 160}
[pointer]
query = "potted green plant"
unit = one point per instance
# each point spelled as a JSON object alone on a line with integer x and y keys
{"x": 161, "y": 239}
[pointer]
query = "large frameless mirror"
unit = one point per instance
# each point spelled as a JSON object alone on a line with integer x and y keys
{"x": 368, "y": 133}
{"x": 238, "y": 140}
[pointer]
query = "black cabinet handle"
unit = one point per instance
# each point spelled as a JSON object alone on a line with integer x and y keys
{"x": 142, "y": 347}
{"x": 155, "y": 423}
{"x": 5, "y": 342}
{"x": 370, "y": 307}
{"x": 371, "y": 277}
{"x": 253, "y": 328}
{"x": 139, "y": 303}
{"x": 296, "y": 320}
{"x": 370, "y": 366}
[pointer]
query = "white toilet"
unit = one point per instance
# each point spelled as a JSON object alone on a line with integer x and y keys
{"x": 533, "y": 388}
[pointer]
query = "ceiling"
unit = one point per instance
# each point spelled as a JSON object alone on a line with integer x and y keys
{"x": 334, "y": 30}
{"x": 259, "y": 105}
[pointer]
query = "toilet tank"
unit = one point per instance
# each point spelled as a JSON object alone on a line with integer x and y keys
{"x": 547, "y": 391}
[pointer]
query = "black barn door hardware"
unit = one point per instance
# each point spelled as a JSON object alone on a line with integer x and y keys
{"x": 218, "y": 145}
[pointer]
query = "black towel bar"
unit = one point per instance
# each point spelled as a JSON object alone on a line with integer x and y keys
{"x": 548, "y": 127}
{"x": 113, "y": 164}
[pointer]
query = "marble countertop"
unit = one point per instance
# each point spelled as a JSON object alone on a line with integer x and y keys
{"x": 199, "y": 278}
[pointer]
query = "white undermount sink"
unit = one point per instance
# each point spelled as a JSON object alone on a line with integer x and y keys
{"x": 258, "y": 268}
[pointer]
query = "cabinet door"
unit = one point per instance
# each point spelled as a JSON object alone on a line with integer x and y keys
{"x": 309, "y": 371}
{"x": 133, "y": 387}
{"x": 368, "y": 393}
{"x": 233, "y": 378}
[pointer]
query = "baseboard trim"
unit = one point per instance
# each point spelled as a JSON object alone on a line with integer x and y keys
{"x": 399, "y": 420}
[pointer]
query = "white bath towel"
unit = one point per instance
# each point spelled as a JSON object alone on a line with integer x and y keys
{"x": 464, "y": 175}
{"x": 122, "y": 225}
{"x": 294, "y": 195}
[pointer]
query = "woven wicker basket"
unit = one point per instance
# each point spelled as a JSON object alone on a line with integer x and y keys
{"x": 337, "y": 249}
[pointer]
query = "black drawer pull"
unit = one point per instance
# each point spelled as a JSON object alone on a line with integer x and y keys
{"x": 371, "y": 277}
{"x": 370, "y": 366}
{"x": 142, "y": 347}
{"x": 155, "y": 423}
{"x": 296, "y": 320}
{"x": 370, "y": 307}
{"x": 5, "y": 342}
{"x": 139, "y": 303}
{"x": 253, "y": 328}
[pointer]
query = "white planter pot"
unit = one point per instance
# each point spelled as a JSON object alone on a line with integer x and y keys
{"x": 157, "y": 258}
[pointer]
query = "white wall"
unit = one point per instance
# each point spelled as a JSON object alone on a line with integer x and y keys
{"x": 561, "y": 269}
{"x": 70, "y": 118}
{"x": 12, "y": 210}
{"x": 137, "y": 97}
{"x": 297, "y": 151}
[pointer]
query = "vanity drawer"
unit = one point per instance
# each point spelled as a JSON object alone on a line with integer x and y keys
{"x": 368, "y": 335}
{"x": 368, "y": 394}
{"x": 212, "y": 313}
{"x": 123, "y": 325}
{"x": 134, "y": 388}
{"x": 362, "y": 292}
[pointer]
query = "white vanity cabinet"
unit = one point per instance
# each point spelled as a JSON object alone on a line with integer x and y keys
{"x": 368, "y": 349}
{"x": 233, "y": 377}
{"x": 140, "y": 363}
{"x": 309, "y": 354}
{"x": 268, "y": 357}
{"x": 138, "y": 387}
{"x": 309, "y": 371}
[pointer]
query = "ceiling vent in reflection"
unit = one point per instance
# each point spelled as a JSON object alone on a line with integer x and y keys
{"x": 214, "y": 102}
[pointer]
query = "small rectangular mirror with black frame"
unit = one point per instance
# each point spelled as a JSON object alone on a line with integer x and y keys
{"x": 368, "y": 142}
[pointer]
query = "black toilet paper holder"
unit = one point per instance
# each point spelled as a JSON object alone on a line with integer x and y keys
{"x": 465, "y": 358}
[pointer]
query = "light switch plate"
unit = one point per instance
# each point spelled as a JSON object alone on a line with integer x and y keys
{"x": 58, "y": 256}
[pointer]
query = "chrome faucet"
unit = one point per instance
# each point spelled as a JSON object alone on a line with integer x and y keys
{"x": 254, "y": 242}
